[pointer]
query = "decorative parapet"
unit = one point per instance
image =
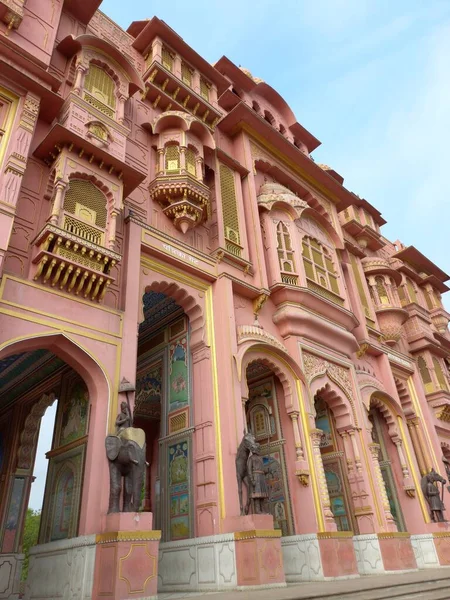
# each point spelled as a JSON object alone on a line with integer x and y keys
{"x": 184, "y": 199}
{"x": 253, "y": 332}
{"x": 73, "y": 264}
{"x": 11, "y": 13}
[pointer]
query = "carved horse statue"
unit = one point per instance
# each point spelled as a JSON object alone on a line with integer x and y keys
{"x": 247, "y": 445}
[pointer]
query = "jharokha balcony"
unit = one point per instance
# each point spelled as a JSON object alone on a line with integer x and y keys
{"x": 383, "y": 281}
{"x": 73, "y": 259}
{"x": 183, "y": 198}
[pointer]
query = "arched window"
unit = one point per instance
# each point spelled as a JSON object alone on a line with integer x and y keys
{"x": 382, "y": 294}
{"x": 319, "y": 265}
{"x": 411, "y": 291}
{"x": 85, "y": 212}
{"x": 100, "y": 90}
{"x": 439, "y": 374}
{"x": 425, "y": 374}
{"x": 282, "y": 129}
{"x": 256, "y": 107}
{"x": 284, "y": 249}
{"x": 269, "y": 117}
{"x": 172, "y": 158}
{"x": 190, "y": 161}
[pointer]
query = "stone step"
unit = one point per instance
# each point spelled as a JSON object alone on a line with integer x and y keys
{"x": 426, "y": 590}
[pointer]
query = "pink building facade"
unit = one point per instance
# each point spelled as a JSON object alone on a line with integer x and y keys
{"x": 164, "y": 228}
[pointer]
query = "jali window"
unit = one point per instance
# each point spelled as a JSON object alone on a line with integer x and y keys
{"x": 85, "y": 212}
{"x": 285, "y": 254}
{"x": 186, "y": 74}
{"x": 190, "y": 161}
{"x": 319, "y": 265}
{"x": 172, "y": 159}
{"x": 100, "y": 90}
{"x": 425, "y": 374}
{"x": 204, "y": 89}
{"x": 167, "y": 58}
{"x": 230, "y": 210}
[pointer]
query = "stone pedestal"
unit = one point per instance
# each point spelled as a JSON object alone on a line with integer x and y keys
{"x": 259, "y": 560}
{"x": 10, "y": 569}
{"x": 338, "y": 554}
{"x": 126, "y": 563}
{"x": 397, "y": 551}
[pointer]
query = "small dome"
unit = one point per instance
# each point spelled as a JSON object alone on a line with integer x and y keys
{"x": 247, "y": 72}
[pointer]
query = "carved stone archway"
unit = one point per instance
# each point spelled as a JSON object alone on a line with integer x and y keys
{"x": 29, "y": 434}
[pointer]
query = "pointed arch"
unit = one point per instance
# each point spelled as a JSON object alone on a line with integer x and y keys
{"x": 188, "y": 303}
{"x": 337, "y": 398}
{"x": 389, "y": 409}
{"x": 278, "y": 361}
{"x": 30, "y": 431}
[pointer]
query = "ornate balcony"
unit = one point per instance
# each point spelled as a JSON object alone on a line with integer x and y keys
{"x": 390, "y": 321}
{"x": 440, "y": 319}
{"x": 365, "y": 234}
{"x": 183, "y": 198}
{"x": 73, "y": 260}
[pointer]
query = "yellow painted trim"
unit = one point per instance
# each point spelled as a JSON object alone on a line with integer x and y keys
{"x": 257, "y": 533}
{"x": 10, "y": 121}
{"x": 327, "y": 535}
{"x": 375, "y": 496}
{"x": 82, "y": 326}
{"x": 386, "y": 535}
{"x": 181, "y": 276}
{"x": 418, "y": 409}
{"x": 56, "y": 327}
{"x": 309, "y": 452}
{"x": 412, "y": 470}
{"x": 114, "y": 404}
{"x": 127, "y": 536}
{"x": 217, "y": 428}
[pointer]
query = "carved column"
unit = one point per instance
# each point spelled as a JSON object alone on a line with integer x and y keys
{"x": 298, "y": 442}
{"x": 121, "y": 99}
{"x": 81, "y": 71}
{"x": 160, "y": 162}
{"x": 316, "y": 436}
{"x": 244, "y": 412}
{"x": 60, "y": 188}
{"x": 199, "y": 168}
{"x": 182, "y": 158}
{"x": 358, "y": 465}
{"x": 112, "y": 229}
{"x": 374, "y": 450}
{"x": 413, "y": 426}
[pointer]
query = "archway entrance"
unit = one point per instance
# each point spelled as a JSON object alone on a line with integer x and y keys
{"x": 30, "y": 382}
{"x": 267, "y": 419}
{"x": 162, "y": 410}
{"x": 335, "y": 468}
{"x": 381, "y": 437}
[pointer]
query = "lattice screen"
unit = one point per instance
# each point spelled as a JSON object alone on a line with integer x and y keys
{"x": 186, "y": 74}
{"x": 167, "y": 58}
{"x": 229, "y": 204}
{"x": 172, "y": 158}
{"x": 84, "y": 193}
{"x": 190, "y": 161}
{"x": 101, "y": 85}
{"x": 204, "y": 89}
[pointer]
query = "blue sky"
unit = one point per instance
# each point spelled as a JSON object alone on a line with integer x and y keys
{"x": 369, "y": 78}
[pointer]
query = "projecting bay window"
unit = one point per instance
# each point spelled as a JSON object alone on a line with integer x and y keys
{"x": 433, "y": 378}
{"x": 286, "y": 255}
{"x": 407, "y": 293}
{"x": 319, "y": 269}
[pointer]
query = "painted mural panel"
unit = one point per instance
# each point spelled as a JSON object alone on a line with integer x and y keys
{"x": 178, "y": 373}
{"x": 278, "y": 500}
{"x": 74, "y": 413}
{"x": 149, "y": 385}
{"x": 63, "y": 495}
{"x": 13, "y": 515}
{"x": 178, "y": 457}
{"x": 336, "y": 491}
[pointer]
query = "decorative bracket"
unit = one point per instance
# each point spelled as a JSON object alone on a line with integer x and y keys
{"x": 303, "y": 477}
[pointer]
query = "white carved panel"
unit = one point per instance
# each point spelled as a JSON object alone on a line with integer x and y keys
{"x": 301, "y": 558}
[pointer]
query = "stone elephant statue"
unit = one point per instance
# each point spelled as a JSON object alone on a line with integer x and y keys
{"x": 126, "y": 457}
